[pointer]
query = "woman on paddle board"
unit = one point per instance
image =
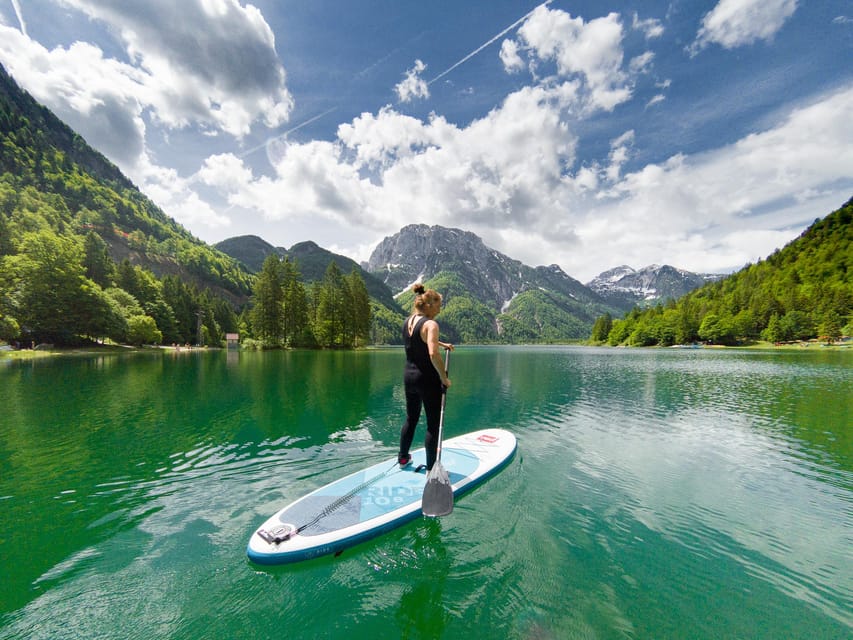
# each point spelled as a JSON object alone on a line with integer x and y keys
{"x": 424, "y": 377}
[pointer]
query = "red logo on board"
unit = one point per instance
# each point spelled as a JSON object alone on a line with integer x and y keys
{"x": 488, "y": 438}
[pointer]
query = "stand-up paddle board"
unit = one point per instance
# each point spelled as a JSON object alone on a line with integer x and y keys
{"x": 374, "y": 500}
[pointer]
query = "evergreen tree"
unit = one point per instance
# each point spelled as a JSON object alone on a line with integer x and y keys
{"x": 267, "y": 320}
{"x": 244, "y": 324}
{"x": 829, "y": 328}
{"x": 126, "y": 278}
{"x": 5, "y": 236}
{"x": 329, "y": 320}
{"x": 9, "y": 328}
{"x": 359, "y": 304}
{"x": 164, "y": 317}
{"x": 212, "y": 334}
{"x": 601, "y": 328}
{"x": 773, "y": 332}
{"x": 796, "y": 325}
{"x": 295, "y": 304}
{"x": 224, "y": 315}
{"x": 181, "y": 300}
{"x": 467, "y": 320}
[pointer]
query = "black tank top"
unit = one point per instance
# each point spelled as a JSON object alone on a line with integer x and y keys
{"x": 419, "y": 367}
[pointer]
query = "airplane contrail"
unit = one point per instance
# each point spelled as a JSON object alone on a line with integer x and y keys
{"x": 481, "y": 47}
{"x": 16, "y": 5}
{"x": 438, "y": 77}
{"x": 285, "y": 133}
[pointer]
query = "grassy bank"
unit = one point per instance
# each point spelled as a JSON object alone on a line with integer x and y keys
{"x": 94, "y": 349}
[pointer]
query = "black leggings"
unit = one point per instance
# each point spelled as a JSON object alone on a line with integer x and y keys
{"x": 428, "y": 396}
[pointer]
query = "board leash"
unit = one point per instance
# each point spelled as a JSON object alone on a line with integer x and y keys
{"x": 287, "y": 531}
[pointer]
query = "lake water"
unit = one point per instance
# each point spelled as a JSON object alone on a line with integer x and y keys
{"x": 656, "y": 494}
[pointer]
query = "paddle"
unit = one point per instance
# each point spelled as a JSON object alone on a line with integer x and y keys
{"x": 438, "y": 492}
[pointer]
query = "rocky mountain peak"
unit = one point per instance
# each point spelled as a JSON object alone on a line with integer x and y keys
{"x": 419, "y": 252}
{"x": 626, "y": 287}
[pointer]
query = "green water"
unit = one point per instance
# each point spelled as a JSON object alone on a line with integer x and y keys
{"x": 656, "y": 494}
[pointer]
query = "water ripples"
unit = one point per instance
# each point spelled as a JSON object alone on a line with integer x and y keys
{"x": 716, "y": 496}
{"x": 653, "y": 494}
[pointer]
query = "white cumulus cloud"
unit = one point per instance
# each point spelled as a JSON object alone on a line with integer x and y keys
{"x": 735, "y": 23}
{"x": 413, "y": 85}
{"x": 651, "y": 27}
{"x": 207, "y": 64}
{"x": 590, "y": 51}
{"x": 96, "y": 96}
{"x": 510, "y": 57}
{"x": 510, "y": 177}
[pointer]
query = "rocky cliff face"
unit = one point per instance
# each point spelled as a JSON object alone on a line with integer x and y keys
{"x": 419, "y": 252}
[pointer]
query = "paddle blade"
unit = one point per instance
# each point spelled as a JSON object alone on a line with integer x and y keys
{"x": 438, "y": 492}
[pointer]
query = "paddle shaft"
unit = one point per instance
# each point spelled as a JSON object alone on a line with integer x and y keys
{"x": 443, "y": 402}
{"x": 437, "y": 498}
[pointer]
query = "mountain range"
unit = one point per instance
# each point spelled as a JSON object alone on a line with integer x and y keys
{"x": 625, "y": 287}
{"x": 489, "y": 296}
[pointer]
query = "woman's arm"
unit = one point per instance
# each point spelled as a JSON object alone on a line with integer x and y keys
{"x": 433, "y": 345}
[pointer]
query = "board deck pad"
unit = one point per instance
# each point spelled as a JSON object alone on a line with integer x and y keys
{"x": 374, "y": 500}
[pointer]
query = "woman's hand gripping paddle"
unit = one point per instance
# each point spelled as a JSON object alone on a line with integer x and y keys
{"x": 438, "y": 492}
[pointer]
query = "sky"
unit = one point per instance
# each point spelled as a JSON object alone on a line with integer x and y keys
{"x": 587, "y": 134}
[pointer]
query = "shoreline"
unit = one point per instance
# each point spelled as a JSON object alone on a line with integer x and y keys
{"x": 90, "y": 350}
{"x": 109, "y": 349}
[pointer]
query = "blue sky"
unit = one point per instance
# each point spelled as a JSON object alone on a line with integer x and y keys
{"x": 584, "y": 134}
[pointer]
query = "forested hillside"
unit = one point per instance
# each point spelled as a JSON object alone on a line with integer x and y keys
{"x": 84, "y": 254}
{"x": 311, "y": 262}
{"x": 800, "y": 292}
{"x": 52, "y": 179}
